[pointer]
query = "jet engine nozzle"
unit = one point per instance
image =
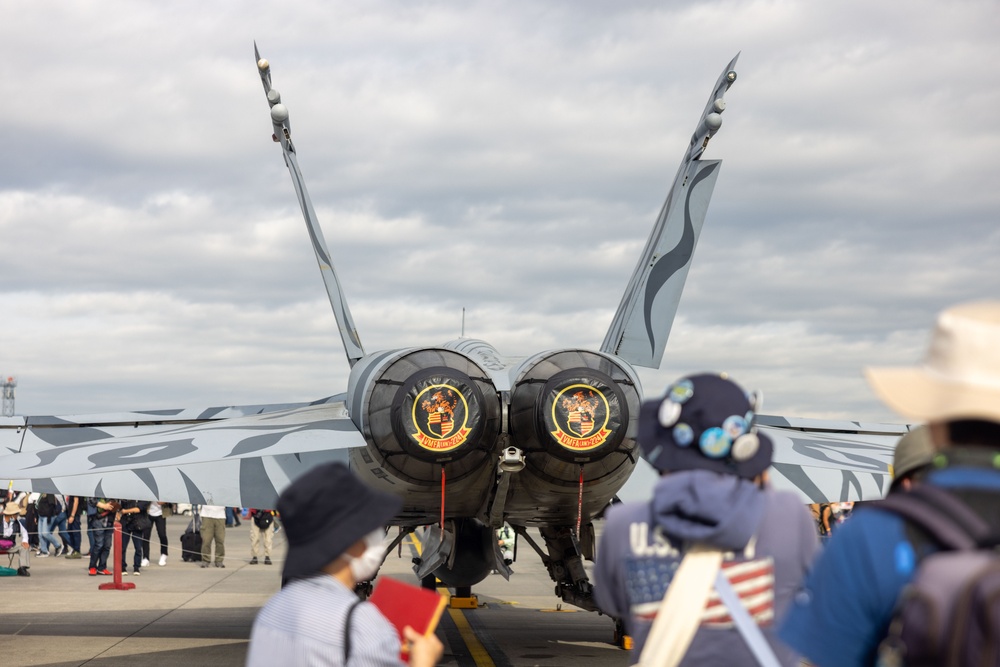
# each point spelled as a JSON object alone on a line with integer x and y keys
{"x": 424, "y": 408}
{"x": 573, "y": 407}
{"x": 574, "y": 415}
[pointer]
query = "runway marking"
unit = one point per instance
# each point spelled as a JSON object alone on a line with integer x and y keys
{"x": 414, "y": 542}
{"x": 477, "y": 651}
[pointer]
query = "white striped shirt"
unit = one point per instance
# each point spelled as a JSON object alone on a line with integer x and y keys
{"x": 303, "y": 625}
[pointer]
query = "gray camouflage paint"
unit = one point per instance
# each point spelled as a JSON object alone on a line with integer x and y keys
{"x": 227, "y": 461}
{"x": 245, "y": 456}
{"x": 247, "y": 460}
{"x": 641, "y": 325}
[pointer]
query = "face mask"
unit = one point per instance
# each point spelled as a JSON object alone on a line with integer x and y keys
{"x": 365, "y": 566}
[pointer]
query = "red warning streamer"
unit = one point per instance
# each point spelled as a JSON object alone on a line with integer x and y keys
{"x": 579, "y": 504}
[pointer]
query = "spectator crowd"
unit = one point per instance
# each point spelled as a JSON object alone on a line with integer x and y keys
{"x": 47, "y": 525}
{"x": 716, "y": 568}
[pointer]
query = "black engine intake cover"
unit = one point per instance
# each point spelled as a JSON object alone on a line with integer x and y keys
{"x": 431, "y": 407}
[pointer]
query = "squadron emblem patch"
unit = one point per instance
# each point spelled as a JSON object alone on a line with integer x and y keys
{"x": 580, "y": 416}
{"x": 440, "y": 415}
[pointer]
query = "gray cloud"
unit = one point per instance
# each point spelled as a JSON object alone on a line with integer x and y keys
{"x": 507, "y": 159}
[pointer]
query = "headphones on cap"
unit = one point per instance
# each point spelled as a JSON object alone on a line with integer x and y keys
{"x": 735, "y": 438}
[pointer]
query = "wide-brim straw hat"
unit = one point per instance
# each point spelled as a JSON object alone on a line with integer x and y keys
{"x": 960, "y": 376}
{"x": 11, "y": 508}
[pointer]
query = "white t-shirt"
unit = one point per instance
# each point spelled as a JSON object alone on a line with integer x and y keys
{"x": 213, "y": 511}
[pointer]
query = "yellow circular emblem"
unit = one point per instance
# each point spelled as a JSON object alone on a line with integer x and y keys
{"x": 580, "y": 414}
{"x": 440, "y": 414}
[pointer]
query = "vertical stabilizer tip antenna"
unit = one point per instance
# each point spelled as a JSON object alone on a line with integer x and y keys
{"x": 279, "y": 113}
{"x": 641, "y": 325}
{"x": 264, "y": 68}
{"x": 282, "y": 135}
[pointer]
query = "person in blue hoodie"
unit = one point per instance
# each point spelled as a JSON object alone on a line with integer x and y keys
{"x": 847, "y": 606}
{"x": 712, "y": 492}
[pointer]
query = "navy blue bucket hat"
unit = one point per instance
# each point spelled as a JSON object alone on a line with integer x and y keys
{"x": 704, "y": 422}
{"x": 324, "y": 512}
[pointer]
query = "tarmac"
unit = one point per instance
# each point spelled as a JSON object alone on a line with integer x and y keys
{"x": 182, "y": 614}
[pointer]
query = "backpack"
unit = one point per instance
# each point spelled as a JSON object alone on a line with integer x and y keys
{"x": 47, "y": 505}
{"x": 263, "y": 519}
{"x": 949, "y": 614}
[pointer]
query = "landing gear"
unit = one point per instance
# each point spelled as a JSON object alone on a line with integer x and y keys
{"x": 622, "y": 639}
{"x": 564, "y": 561}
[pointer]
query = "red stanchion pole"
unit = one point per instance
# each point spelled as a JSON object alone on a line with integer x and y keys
{"x": 116, "y": 552}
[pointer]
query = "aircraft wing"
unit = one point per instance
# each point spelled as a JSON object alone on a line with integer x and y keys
{"x": 831, "y": 461}
{"x": 823, "y": 461}
{"x": 243, "y": 460}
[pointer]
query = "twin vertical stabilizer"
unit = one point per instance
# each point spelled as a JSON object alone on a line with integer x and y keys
{"x": 641, "y": 326}
{"x": 283, "y": 135}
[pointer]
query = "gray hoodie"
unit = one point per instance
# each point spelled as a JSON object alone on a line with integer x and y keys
{"x": 768, "y": 537}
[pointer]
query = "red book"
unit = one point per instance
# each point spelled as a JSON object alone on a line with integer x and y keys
{"x": 405, "y": 604}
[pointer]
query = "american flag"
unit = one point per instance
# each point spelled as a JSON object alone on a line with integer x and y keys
{"x": 753, "y": 581}
{"x": 647, "y": 580}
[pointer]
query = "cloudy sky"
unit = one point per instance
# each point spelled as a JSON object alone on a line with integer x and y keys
{"x": 508, "y": 158}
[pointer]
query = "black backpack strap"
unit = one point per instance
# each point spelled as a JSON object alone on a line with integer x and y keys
{"x": 943, "y": 516}
{"x": 347, "y": 630}
{"x": 17, "y": 528}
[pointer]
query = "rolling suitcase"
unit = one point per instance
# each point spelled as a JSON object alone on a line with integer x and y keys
{"x": 191, "y": 541}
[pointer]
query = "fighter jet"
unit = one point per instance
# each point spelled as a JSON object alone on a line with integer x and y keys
{"x": 470, "y": 438}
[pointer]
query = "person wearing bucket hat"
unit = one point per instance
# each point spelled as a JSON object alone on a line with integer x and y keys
{"x": 856, "y": 584}
{"x": 713, "y": 492}
{"x": 704, "y": 422}
{"x": 912, "y": 458}
{"x": 335, "y": 526}
{"x": 14, "y": 535}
